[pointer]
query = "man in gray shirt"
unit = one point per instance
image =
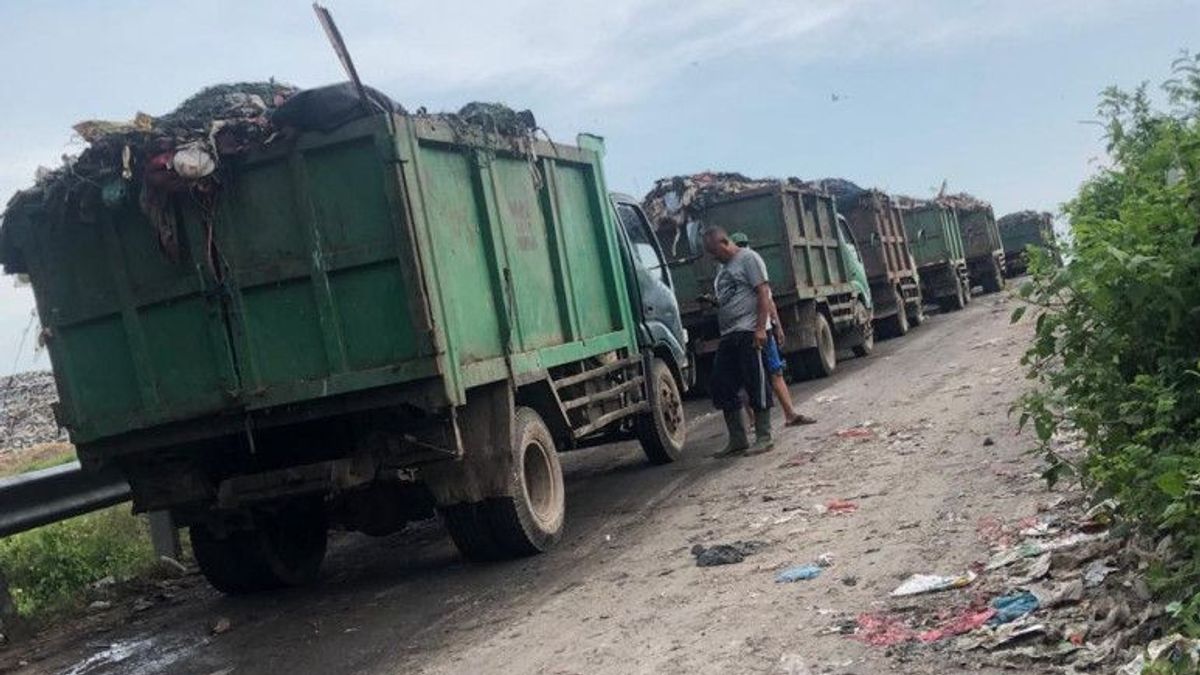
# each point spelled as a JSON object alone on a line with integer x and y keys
{"x": 743, "y": 310}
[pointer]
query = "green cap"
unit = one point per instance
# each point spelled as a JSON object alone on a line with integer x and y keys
{"x": 740, "y": 239}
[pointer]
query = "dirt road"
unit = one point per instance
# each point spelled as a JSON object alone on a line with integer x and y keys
{"x": 623, "y": 594}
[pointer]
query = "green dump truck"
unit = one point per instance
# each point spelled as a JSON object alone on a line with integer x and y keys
{"x": 358, "y": 326}
{"x": 877, "y": 225}
{"x": 1021, "y": 230}
{"x": 816, "y": 273}
{"x": 981, "y": 243}
{"x": 936, "y": 244}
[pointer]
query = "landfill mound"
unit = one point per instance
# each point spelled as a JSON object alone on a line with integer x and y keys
{"x": 26, "y": 411}
{"x": 1020, "y": 217}
{"x": 153, "y": 161}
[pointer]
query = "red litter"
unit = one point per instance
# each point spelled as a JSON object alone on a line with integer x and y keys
{"x": 966, "y": 621}
{"x": 840, "y": 506}
{"x": 854, "y": 432}
{"x": 882, "y": 630}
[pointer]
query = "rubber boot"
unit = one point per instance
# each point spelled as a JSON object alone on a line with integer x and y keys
{"x": 762, "y": 433}
{"x": 738, "y": 442}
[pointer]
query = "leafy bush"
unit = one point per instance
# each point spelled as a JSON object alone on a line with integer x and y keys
{"x": 1116, "y": 356}
{"x": 50, "y": 568}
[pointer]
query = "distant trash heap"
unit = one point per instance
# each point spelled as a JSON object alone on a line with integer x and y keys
{"x": 150, "y": 161}
{"x": 1019, "y": 218}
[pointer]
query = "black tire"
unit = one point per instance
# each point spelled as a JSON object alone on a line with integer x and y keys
{"x": 957, "y": 301}
{"x": 529, "y": 518}
{"x": 866, "y": 327}
{"x": 916, "y": 313}
{"x": 819, "y": 361}
{"x": 895, "y": 325}
{"x": 283, "y": 549}
{"x": 993, "y": 281}
{"x": 663, "y": 430}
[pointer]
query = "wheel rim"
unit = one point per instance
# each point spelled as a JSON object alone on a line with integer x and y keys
{"x": 670, "y": 407}
{"x": 540, "y": 487}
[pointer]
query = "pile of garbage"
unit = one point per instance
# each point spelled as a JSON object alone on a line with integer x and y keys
{"x": 846, "y": 191}
{"x": 26, "y": 411}
{"x": 1019, "y": 218}
{"x": 152, "y": 161}
{"x": 964, "y": 202}
{"x": 674, "y": 202}
{"x": 1059, "y": 593}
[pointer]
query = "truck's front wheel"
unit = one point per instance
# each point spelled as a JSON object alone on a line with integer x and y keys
{"x": 282, "y": 548}
{"x": 662, "y": 430}
{"x": 528, "y": 519}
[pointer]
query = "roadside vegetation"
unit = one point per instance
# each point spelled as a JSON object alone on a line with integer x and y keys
{"x": 51, "y": 569}
{"x": 1116, "y": 358}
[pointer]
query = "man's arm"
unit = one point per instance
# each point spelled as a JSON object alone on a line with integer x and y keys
{"x": 776, "y": 324}
{"x": 766, "y": 306}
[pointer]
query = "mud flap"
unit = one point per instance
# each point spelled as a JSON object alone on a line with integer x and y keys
{"x": 485, "y": 432}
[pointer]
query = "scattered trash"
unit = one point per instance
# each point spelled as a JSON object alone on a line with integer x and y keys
{"x": 854, "y": 432}
{"x": 965, "y": 621}
{"x": 929, "y": 583}
{"x": 882, "y": 630}
{"x": 1180, "y": 654}
{"x": 221, "y": 626}
{"x": 1011, "y": 633}
{"x": 1013, "y": 606}
{"x": 987, "y": 441}
{"x": 799, "y": 573}
{"x": 849, "y": 581}
{"x": 825, "y": 560}
{"x": 840, "y": 506}
{"x": 725, "y": 554}
{"x": 1012, "y": 555}
{"x": 100, "y": 606}
{"x": 826, "y": 398}
{"x": 1096, "y": 573}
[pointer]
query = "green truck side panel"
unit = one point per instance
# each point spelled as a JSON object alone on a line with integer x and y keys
{"x": 386, "y": 251}
{"x": 793, "y": 231}
{"x": 980, "y": 236}
{"x": 933, "y": 234}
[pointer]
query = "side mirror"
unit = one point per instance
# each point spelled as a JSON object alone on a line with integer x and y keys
{"x": 921, "y": 234}
{"x": 876, "y": 240}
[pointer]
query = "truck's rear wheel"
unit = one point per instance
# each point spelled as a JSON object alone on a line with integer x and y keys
{"x": 663, "y": 430}
{"x": 283, "y": 548}
{"x": 916, "y": 313}
{"x": 819, "y": 361}
{"x": 529, "y": 518}
{"x": 993, "y": 281}
{"x": 866, "y": 328}
{"x": 896, "y": 325}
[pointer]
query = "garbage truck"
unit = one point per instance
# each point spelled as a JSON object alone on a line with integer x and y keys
{"x": 1021, "y": 230}
{"x": 875, "y": 221}
{"x": 936, "y": 244}
{"x": 357, "y": 326}
{"x": 813, "y": 262}
{"x": 981, "y": 242}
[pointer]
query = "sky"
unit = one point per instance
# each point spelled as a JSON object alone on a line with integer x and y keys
{"x": 993, "y": 97}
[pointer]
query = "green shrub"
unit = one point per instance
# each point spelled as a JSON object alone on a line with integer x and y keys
{"x": 50, "y": 568}
{"x": 1117, "y": 350}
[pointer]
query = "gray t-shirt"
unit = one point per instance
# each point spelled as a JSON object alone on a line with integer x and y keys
{"x": 737, "y": 301}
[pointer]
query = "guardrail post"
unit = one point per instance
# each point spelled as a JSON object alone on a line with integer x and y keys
{"x": 164, "y": 535}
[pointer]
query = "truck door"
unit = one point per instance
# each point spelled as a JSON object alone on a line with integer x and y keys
{"x": 853, "y": 261}
{"x": 654, "y": 294}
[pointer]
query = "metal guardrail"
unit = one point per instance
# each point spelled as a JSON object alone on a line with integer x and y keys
{"x": 42, "y": 497}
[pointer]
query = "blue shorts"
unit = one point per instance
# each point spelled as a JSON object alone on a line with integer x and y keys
{"x": 773, "y": 363}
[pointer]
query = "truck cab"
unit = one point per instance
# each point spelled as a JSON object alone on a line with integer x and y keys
{"x": 651, "y": 289}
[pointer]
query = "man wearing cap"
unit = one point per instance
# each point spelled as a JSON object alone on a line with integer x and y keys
{"x": 744, "y": 304}
{"x": 772, "y": 359}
